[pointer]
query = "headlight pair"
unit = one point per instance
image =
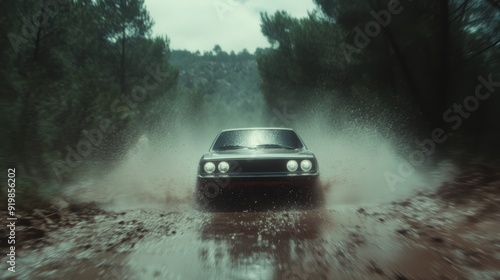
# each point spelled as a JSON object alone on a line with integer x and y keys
{"x": 209, "y": 167}
{"x": 305, "y": 165}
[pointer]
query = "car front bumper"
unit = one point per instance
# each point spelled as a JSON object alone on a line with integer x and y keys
{"x": 259, "y": 192}
{"x": 212, "y": 187}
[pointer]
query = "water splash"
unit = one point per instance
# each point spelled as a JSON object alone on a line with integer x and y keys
{"x": 354, "y": 157}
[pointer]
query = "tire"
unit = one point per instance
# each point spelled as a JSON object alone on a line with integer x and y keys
{"x": 206, "y": 195}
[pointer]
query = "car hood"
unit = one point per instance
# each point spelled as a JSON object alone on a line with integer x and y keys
{"x": 257, "y": 153}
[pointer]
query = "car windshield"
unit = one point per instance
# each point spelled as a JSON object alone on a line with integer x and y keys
{"x": 257, "y": 139}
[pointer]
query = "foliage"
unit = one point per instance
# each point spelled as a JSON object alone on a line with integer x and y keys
{"x": 69, "y": 71}
{"x": 426, "y": 55}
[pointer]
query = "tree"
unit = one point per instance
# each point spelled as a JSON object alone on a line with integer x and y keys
{"x": 301, "y": 58}
{"x": 64, "y": 76}
{"x": 217, "y": 49}
{"x": 423, "y": 57}
{"x": 122, "y": 21}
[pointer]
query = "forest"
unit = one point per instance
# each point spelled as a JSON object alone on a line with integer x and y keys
{"x": 435, "y": 62}
{"x": 82, "y": 80}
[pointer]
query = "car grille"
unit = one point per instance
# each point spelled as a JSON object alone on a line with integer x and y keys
{"x": 259, "y": 166}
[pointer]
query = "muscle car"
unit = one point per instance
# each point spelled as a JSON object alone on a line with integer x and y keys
{"x": 258, "y": 164}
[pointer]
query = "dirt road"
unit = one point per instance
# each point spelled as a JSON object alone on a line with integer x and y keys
{"x": 424, "y": 237}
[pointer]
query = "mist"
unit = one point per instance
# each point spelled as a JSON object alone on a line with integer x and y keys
{"x": 353, "y": 156}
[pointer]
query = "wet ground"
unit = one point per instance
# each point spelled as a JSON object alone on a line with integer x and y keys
{"x": 425, "y": 237}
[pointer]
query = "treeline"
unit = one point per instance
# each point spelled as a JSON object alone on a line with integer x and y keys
{"x": 210, "y": 71}
{"x": 432, "y": 63}
{"x": 79, "y": 80}
{"x": 227, "y": 84}
{"x": 217, "y": 54}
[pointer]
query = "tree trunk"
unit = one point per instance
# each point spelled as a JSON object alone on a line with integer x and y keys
{"x": 122, "y": 54}
{"x": 39, "y": 32}
{"x": 442, "y": 88}
{"x": 122, "y": 63}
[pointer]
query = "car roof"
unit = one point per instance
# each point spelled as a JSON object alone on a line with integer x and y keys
{"x": 258, "y": 128}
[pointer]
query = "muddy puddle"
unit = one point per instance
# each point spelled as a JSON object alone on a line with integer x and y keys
{"x": 419, "y": 239}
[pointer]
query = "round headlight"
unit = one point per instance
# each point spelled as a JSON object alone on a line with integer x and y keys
{"x": 306, "y": 165}
{"x": 209, "y": 167}
{"x": 223, "y": 167}
{"x": 292, "y": 165}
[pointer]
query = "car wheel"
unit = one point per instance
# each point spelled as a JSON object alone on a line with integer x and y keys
{"x": 206, "y": 197}
{"x": 211, "y": 190}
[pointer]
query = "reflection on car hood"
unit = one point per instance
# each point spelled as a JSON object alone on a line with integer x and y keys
{"x": 257, "y": 153}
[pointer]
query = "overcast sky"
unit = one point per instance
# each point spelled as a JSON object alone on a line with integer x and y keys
{"x": 233, "y": 24}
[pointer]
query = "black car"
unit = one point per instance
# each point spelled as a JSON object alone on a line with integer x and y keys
{"x": 254, "y": 165}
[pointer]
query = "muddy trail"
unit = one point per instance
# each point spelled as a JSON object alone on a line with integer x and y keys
{"x": 451, "y": 234}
